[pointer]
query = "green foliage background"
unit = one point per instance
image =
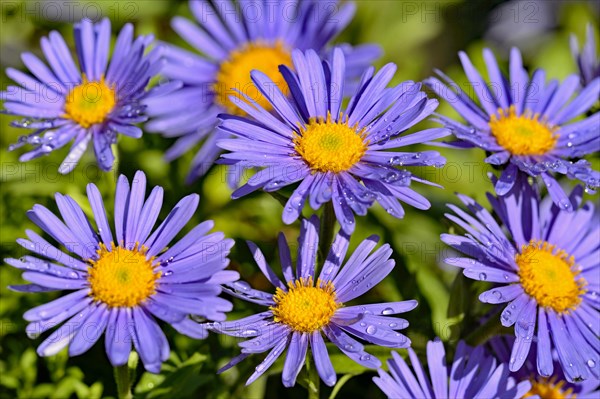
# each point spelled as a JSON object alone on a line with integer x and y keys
{"x": 417, "y": 41}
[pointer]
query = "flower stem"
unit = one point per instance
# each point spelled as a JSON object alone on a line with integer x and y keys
{"x": 123, "y": 382}
{"x": 313, "y": 380}
{"x": 124, "y": 376}
{"x": 327, "y": 231}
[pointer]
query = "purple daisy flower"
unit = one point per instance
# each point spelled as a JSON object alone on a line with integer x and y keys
{"x": 553, "y": 387}
{"x": 232, "y": 41}
{"x": 64, "y": 103}
{"x": 305, "y": 306}
{"x": 588, "y": 61}
{"x": 338, "y": 155}
{"x": 525, "y": 122}
{"x": 121, "y": 288}
{"x": 547, "y": 269}
{"x": 474, "y": 374}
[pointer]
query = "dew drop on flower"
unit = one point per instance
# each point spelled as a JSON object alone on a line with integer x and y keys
{"x": 563, "y": 203}
{"x": 241, "y": 285}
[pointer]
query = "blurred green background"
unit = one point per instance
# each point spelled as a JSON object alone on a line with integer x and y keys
{"x": 418, "y": 36}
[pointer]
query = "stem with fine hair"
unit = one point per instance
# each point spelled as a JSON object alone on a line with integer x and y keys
{"x": 124, "y": 376}
{"x": 313, "y": 380}
{"x": 123, "y": 381}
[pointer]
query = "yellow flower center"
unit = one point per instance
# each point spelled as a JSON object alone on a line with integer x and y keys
{"x": 304, "y": 307}
{"x": 90, "y": 102}
{"x": 522, "y": 134}
{"x": 329, "y": 146}
{"x": 234, "y": 73}
{"x": 548, "y": 275}
{"x": 549, "y": 389}
{"x": 122, "y": 277}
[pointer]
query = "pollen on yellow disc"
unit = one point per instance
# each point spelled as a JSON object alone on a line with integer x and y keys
{"x": 548, "y": 275}
{"x": 328, "y": 146}
{"x": 90, "y": 102}
{"x": 522, "y": 134}
{"x": 304, "y": 307}
{"x": 234, "y": 73}
{"x": 546, "y": 388}
{"x": 122, "y": 277}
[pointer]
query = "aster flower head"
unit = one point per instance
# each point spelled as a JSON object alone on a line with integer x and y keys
{"x": 553, "y": 387}
{"x": 529, "y": 124}
{"x": 94, "y": 102}
{"x": 546, "y": 269}
{"x": 306, "y": 306}
{"x": 336, "y": 154}
{"x": 474, "y": 374}
{"x": 121, "y": 284}
{"x": 588, "y": 61}
{"x": 232, "y": 40}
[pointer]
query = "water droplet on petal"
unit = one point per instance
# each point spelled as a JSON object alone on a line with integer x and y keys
{"x": 371, "y": 330}
{"x": 564, "y": 204}
{"x": 387, "y": 311}
{"x": 32, "y": 335}
{"x": 249, "y": 332}
{"x": 242, "y": 285}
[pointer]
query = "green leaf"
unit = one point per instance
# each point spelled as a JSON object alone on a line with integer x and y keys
{"x": 65, "y": 388}
{"x": 29, "y": 366}
{"x": 182, "y": 382}
{"x": 42, "y": 391}
{"x": 148, "y": 381}
{"x": 95, "y": 391}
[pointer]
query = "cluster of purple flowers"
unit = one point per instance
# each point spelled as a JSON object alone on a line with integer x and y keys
{"x": 270, "y": 94}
